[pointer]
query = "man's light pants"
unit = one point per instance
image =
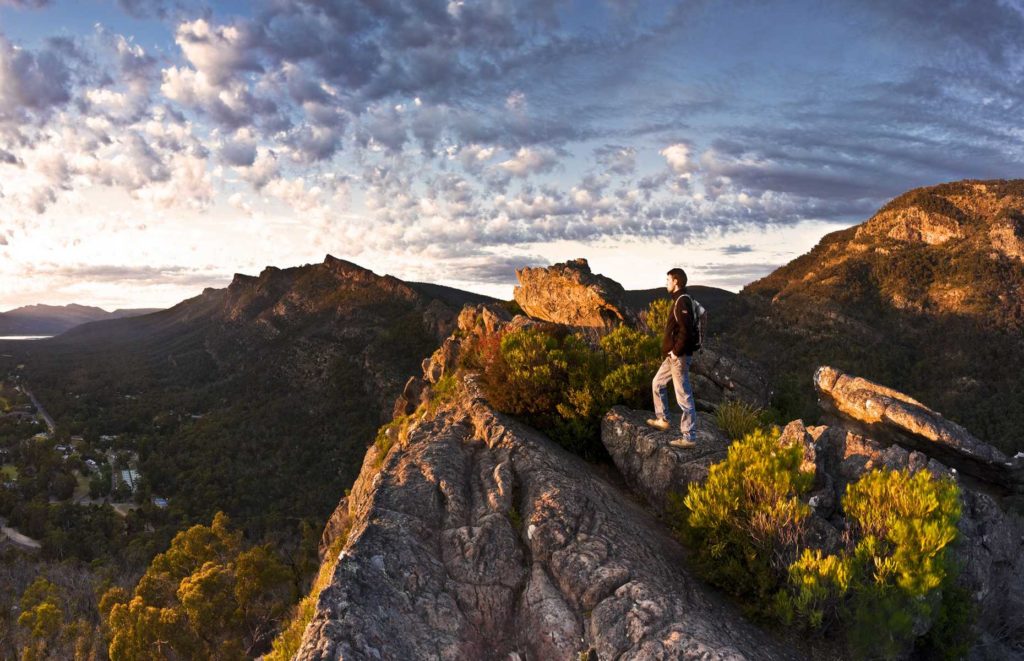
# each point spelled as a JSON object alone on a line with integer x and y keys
{"x": 676, "y": 370}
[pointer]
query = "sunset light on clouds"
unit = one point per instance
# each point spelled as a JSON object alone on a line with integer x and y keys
{"x": 151, "y": 148}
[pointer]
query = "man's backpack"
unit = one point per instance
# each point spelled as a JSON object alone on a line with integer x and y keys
{"x": 697, "y": 329}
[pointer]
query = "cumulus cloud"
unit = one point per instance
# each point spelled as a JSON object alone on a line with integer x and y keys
{"x": 678, "y": 158}
{"x": 502, "y": 123}
{"x": 240, "y": 149}
{"x": 219, "y": 52}
{"x": 530, "y": 160}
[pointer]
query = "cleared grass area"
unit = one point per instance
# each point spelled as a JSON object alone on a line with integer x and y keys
{"x": 9, "y": 472}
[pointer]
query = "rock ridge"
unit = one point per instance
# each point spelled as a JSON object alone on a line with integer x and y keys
{"x": 477, "y": 537}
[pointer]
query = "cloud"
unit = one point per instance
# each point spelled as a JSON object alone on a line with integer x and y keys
{"x": 528, "y": 161}
{"x": 495, "y": 269}
{"x": 732, "y": 275}
{"x": 678, "y": 158}
{"x": 32, "y": 81}
{"x": 240, "y": 149}
{"x": 219, "y": 52}
{"x": 990, "y": 28}
{"x": 617, "y": 159}
{"x": 142, "y": 274}
{"x": 736, "y": 249}
{"x": 26, "y": 4}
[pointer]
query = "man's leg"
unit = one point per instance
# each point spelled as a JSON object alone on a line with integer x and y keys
{"x": 659, "y": 387}
{"x": 684, "y": 396}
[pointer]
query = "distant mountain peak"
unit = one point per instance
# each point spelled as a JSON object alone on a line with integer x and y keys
{"x": 989, "y": 214}
{"x": 345, "y": 267}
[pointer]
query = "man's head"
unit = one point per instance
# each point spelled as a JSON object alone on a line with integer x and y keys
{"x": 675, "y": 280}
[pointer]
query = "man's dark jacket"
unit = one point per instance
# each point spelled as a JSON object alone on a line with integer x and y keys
{"x": 678, "y": 322}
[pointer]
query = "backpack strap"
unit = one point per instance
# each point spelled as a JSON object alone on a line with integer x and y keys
{"x": 675, "y": 303}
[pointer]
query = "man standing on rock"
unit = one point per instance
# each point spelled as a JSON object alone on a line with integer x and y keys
{"x": 676, "y": 366}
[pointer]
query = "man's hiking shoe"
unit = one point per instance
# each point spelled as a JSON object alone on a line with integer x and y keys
{"x": 658, "y": 423}
{"x": 682, "y": 443}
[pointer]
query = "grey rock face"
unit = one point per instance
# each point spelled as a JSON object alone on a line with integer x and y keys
{"x": 718, "y": 375}
{"x": 652, "y": 467}
{"x": 892, "y": 417}
{"x": 480, "y": 539}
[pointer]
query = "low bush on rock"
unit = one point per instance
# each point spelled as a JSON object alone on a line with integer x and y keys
{"x": 746, "y": 520}
{"x": 561, "y": 383}
{"x": 889, "y": 588}
{"x": 737, "y": 419}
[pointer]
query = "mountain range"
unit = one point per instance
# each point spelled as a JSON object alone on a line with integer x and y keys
{"x": 55, "y": 319}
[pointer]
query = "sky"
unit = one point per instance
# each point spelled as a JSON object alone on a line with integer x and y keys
{"x": 152, "y": 148}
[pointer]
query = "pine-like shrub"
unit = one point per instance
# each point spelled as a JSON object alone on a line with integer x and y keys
{"x": 889, "y": 586}
{"x": 562, "y": 384}
{"x": 746, "y": 520}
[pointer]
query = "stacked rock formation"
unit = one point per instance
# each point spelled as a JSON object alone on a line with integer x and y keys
{"x": 477, "y": 538}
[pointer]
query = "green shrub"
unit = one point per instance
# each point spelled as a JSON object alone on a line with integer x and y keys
{"x": 737, "y": 419}
{"x": 562, "y": 384}
{"x": 551, "y": 380}
{"x": 653, "y": 319}
{"x": 396, "y": 430}
{"x": 895, "y": 574}
{"x": 746, "y": 520}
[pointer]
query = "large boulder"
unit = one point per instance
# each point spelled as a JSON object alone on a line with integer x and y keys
{"x": 478, "y": 538}
{"x": 572, "y": 295}
{"x": 893, "y": 417}
{"x": 650, "y": 466}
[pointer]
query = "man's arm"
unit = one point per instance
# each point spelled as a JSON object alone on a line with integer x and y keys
{"x": 682, "y": 316}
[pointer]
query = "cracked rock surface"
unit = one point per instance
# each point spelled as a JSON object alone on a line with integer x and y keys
{"x": 478, "y": 538}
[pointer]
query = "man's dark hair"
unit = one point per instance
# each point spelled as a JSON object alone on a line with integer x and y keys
{"x": 680, "y": 276}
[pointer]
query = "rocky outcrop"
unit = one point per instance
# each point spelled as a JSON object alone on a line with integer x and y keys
{"x": 478, "y": 538}
{"x": 888, "y": 432}
{"x": 650, "y": 466}
{"x": 1008, "y": 236}
{"x": 891, "y": 416}
{"x": 572, "y": 295}
{"x": 913, "y": 224}
{"x": 720, "y": 374}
